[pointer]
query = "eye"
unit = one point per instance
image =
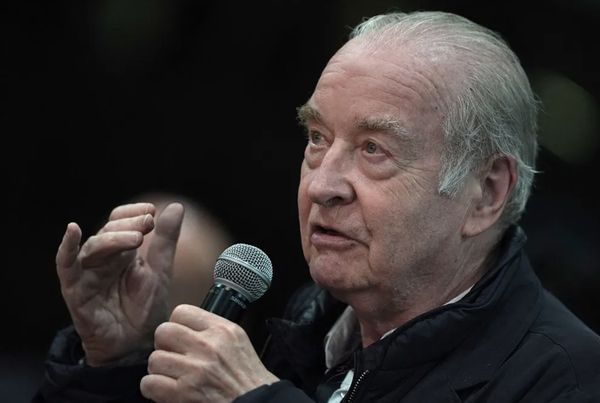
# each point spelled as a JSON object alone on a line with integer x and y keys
{"x": 314, "y": 137}
{"x": 372, "y": 148}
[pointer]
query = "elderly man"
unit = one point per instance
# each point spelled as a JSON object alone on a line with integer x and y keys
{"x": 420, "y": 157}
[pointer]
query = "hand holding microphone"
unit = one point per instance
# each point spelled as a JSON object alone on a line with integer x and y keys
{"x": 200, "y": 354}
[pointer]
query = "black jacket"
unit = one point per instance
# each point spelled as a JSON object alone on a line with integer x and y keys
{"x": 508, "y": 340}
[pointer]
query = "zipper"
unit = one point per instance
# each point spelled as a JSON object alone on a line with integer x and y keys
{"x": 352, "y": 393}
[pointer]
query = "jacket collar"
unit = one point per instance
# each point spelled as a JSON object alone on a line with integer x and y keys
{"x": 509, "y": 302}
{"x": 499, "y": 309}
{"x": 295, "y": 347}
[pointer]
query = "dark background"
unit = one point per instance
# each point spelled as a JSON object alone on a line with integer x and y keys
{"x": 107, "y": 99}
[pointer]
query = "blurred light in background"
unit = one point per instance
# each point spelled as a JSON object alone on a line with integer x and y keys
{"x": 131, "y": 34}
{"x": 569, "y": 119}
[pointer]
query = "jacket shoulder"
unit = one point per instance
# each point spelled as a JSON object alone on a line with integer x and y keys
{"x": 561, "y": 343}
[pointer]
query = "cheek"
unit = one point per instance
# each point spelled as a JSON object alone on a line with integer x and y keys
{"x": 412, "y": 230}
{"x": 388, "y": 239}
{"x": 394, "y": 222}
{"x": 303, "y": 212}
{"x": 303, "y": 198}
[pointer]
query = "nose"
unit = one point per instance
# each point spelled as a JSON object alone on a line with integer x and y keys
{"x": 330, "y": 183}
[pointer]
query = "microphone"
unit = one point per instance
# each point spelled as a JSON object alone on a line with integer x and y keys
{"x": 242, "y": 274}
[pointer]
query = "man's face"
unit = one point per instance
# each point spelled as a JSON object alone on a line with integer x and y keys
{"x": 371, "y": 219}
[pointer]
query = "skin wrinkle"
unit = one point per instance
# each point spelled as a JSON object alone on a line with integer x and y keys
{"x": 388, "y": 125}
{"x": 408, "y": 82}
{"x": 384, "y": 90}
{"x": 396, "y": 129}
{"x": 420, "y": 79}
{"x": 334, "y": 66}
{"x": 397, "y": 72}
{"x": 415, "y": 181}
{"x": 390, "y": 77}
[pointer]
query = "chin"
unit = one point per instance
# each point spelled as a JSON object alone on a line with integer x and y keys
{"x": 327, "y": 276}
{"x": 336, "y": 281}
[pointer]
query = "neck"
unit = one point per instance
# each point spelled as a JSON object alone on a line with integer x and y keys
{"x": 377, "y": 316}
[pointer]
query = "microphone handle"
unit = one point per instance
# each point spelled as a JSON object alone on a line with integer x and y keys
{"x": 226, "y": 302}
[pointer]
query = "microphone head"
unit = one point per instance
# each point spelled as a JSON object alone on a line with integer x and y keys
{"x": 245, "y": 268}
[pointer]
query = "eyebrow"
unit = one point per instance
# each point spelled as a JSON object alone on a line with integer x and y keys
{"x": 385, "y": 124}
{"x": 307, "y": 113}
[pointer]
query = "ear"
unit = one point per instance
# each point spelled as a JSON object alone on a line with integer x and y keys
{"x": 492, "y": 191}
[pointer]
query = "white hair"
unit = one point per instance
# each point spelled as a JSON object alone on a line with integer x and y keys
{"x": 492, "y": 113}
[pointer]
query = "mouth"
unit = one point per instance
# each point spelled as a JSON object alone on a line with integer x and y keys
{"x": 324, "y": 237}
{"x": 326, "y": 231}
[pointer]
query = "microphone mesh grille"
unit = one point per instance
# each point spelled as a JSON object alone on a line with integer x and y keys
{"x": 247, "y": 267}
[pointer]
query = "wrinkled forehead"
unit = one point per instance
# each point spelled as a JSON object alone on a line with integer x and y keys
{"x": 397, "y": 75}
{"x": 366, "y": 89}
{"x": 395, "y": 58}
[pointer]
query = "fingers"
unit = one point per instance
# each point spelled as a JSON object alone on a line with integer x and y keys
{"x": 192, "y": 331}
{"x": 159, "y": 388}
{"x": 67, "y": 254}
{"x": 174, "y": 337}
{"x": 117, "y": 235}
{"x": 170, "y": 364}
{"x": 98, "y": 248}
{"x": 142, "y": 223}
{"x": 123, "y": 232}
{"x": 132, "y": 210}
{"x": 202, "y": 357}
{"x": 190, "y": 325}
{"x": 161, "y": 250}
{"x": 69, "y": 246}
{"x": 195, "y": 318}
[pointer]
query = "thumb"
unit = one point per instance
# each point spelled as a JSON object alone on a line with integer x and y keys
{"x": 66, "y": 256}
{"x": 161, "y": 250}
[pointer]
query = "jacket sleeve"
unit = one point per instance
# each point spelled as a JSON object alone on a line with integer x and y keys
{"x": 575, "y": 396}
{"x": 68, "y": 379}
{"x": 282, "y": 391}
